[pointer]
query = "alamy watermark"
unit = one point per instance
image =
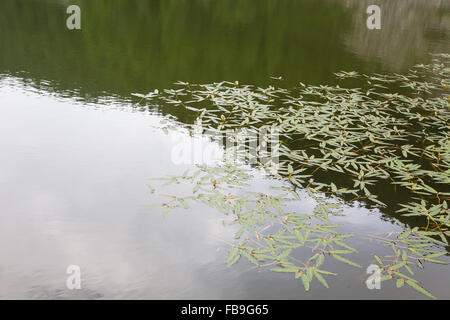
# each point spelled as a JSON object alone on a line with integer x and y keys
{"x": 73, "y": 281}
{"x": 73, "y": 22}
{"x": 373, "y": 22}
{"x": 374, "y": 280}
{"x": 374, "y": 19}
{"x": 252, "y": 146}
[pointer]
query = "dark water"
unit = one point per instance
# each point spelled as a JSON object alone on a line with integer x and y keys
{"x": 76, "y": 153}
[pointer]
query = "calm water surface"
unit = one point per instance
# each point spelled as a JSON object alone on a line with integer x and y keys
{"x": 77, "y": 153}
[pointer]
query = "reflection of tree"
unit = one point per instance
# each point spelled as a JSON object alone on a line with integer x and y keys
{"x": 132, "y": 45}
{"x": 409, "y": 29}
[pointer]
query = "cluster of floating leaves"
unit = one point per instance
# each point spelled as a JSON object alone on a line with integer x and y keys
{"x": 361, "y": 137}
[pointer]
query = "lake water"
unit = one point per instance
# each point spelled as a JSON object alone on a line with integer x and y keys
{"x": 77, "y": 152}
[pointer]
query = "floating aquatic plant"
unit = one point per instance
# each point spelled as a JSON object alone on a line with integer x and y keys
{"x": 270, "y": 233}
{"x": 339, "y": 144}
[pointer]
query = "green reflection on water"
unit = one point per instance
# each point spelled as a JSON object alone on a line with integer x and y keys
{"x": 129, "y": 46}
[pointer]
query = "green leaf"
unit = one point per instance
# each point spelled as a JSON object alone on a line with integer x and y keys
{"x": 183, "y": 203}
{"x": 284, "y": 254}
{"x": 320, "y": 260}
{"x": 333, "y": 187}
{"x": 300, "y": 237}
{"x": 321, "y": 279}
{"x": 338, "y": 257}
{"x": 305, "y": 281}
{"x": 233, "y": 256}
{"x": 419, "y": 288}
{"x": 386, "y": 277}
{"x": 293, "y": 269}
{"x": 378, "y": 260}
{"x": 249, "y": 257}
{"x": 239, "y": 233}
{"x": 397, "y": 266}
